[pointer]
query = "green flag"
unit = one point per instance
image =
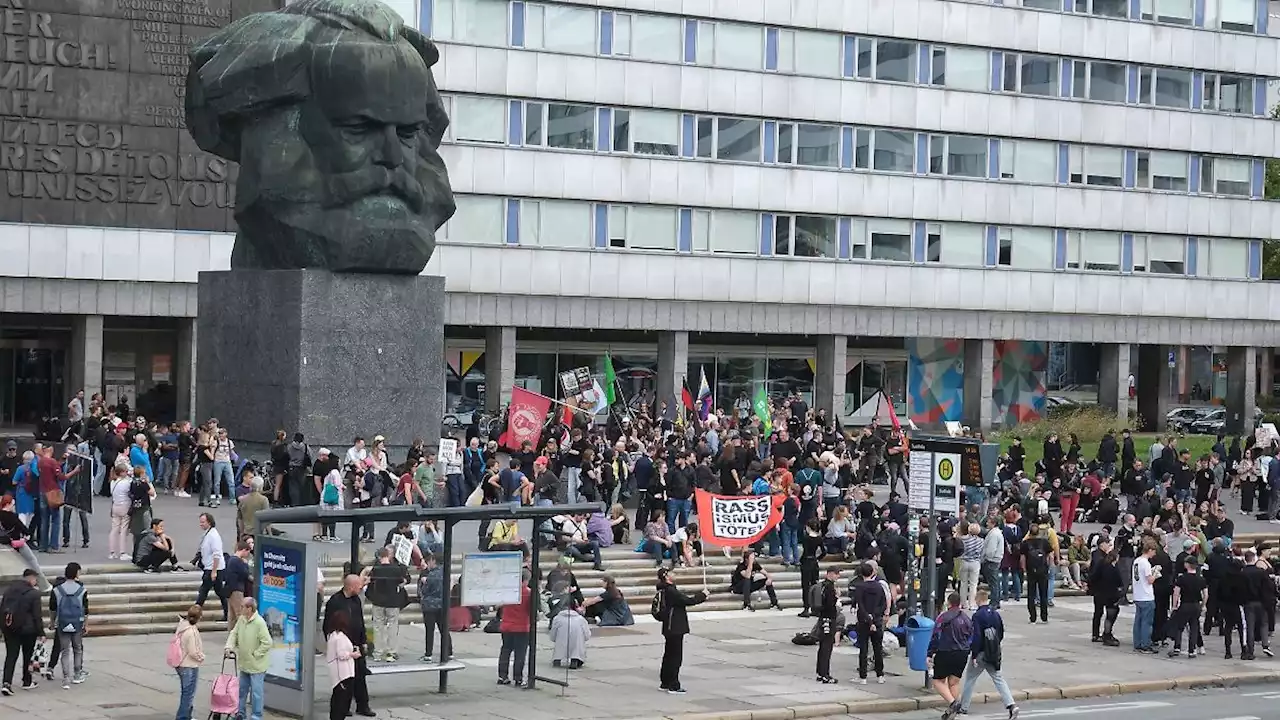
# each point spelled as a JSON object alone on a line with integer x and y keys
{"x": 761, "y": 405}
{"x": 610, "y": 381}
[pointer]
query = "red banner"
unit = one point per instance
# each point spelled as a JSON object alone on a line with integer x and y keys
{"x": 737, "y": 520}
{"x": 525, "y": 416}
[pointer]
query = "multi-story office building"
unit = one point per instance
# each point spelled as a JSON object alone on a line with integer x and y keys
{"x": 834, "y": 197}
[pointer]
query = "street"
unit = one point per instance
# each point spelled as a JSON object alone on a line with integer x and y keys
{"x": 1212, "y": 704}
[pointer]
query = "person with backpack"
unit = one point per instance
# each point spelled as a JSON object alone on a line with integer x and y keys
{"x": 670, "y": 607}
{"x": 185, "y": 656}
{"x": 985, "y": 651}
{"x": 69, "y": 606}
{"x": 1036, "y": 557}
{"x": 22, "y": 623}
{"x": 948, "y": 649}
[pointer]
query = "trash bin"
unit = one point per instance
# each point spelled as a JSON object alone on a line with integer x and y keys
{"x": 919, "y": 632}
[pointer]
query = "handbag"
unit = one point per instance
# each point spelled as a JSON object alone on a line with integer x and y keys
{"x": 493, "y": 627}
{"x": 476, "y": 498}
{"x": 53, "y": 498}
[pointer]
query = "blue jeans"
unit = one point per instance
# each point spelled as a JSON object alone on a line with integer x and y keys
{"x": 790, "y": 544}
{"x": 1053, "y": 580}
{"x": 168, "y": 473}
{"x": 772, "y": 543}
{"x": 222, "y": 471}
{"x": 188, "y": 679}
{"x": 1011, "y": 585}
{"x": 455, "y": 486}
{"x": 1144, "y": 617}
{"x": 1108, "y": 470}
{"x": 51, "y": 528}
{"x": 680, "y": 509}
{"x": 656, "y": 550}
{"x": 251, "y": 689}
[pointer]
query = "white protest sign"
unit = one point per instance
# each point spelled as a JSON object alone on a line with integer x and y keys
{"x": 404, "y": 549}
{"x": 448, "y": 453}
{"x": 733, "y": 521}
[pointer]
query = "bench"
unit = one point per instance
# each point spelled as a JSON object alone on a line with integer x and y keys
{"x": 415, "y": 667}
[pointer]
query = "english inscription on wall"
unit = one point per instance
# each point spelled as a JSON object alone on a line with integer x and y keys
{"x": 91, "y": 114}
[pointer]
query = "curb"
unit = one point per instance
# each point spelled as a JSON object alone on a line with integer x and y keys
{"x": 926, "y": 702}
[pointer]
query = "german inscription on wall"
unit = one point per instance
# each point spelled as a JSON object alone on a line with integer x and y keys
{"x": 91, "y": 114}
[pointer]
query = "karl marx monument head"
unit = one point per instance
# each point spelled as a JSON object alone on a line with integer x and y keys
{"x": 332, "y": 112}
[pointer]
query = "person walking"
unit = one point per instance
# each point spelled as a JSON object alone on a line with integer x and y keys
{"x": 211, "y": 562}
{"x": 1144, "y": 597}
{"x": 347, "y": 601}
{"x": 23, "y": 625}
{"x": 1260, "y": 595}
{"x": 948, "y": 649}
{"x": 1036, "y": 556}
{"x": 191, "y": 649}
{"x": 250, "y": 643}
{"x": 236, "y": 580}
{"x": 434, "y": 616}
{"x": 672, "y": 607}
{"x": 1190, "y": 593}
{"x": 993, "y": 549}
{"x": 1107, "y": 590}
{"x": 986, "y": 657}
{"x": 514, "y": 627}
{"x": 828, "y": 610}
{"x": 69, "y": 605}
{"x": 340, "y": 655}
{"x": 872, "y": 606}
{"x": 973, "y": 546}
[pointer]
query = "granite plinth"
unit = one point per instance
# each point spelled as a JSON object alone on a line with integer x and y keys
{"x": 329, "y": 355}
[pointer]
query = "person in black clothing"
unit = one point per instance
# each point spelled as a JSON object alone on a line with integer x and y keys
{"x": 1163, "y": 588}
{"x": 1214, "y": 574}
{"x": 1035, "y": 565}
{"x": 8, "y": 467}
{"x": 1261, "y": 593}
{"x": 673, "y": 610}
{"x": 785, "y": 448}
{"x": 872, "y": 607}
{"x": 944, "y": 565}
{"x": 1053, "y": 457}
{"x": 826, "y": 628}
{"x": 347, "y": 601}
{"x": 811, "y": 550}
{"x": 1232, "y": 594}
{"x": 1107, "y": 455}
{"x": 749, "y": 577}
{"x": 23, "y": 601}
{"x": 1190, "y": 592}
{"x": 1107, "y": 590}
{"x": 1017, "y": 455}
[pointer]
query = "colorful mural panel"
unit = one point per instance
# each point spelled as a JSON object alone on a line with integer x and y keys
{"x": 1019, "y": 381}
{"x": 935, "y": 380}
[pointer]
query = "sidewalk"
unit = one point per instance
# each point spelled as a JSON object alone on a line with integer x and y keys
{"x": 738, "y": 666}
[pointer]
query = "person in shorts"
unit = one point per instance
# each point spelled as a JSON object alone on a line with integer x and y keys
{"x": 949, "y": 649}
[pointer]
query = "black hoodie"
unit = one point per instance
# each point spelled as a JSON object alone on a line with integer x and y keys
{"x": 23, "y": 602}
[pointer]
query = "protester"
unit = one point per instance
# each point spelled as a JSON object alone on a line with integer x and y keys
{"x": 15, "y": 533}
{"x": 24, "y": 624}
{"x": 827, "y": 628}
{"x": 569, "y": 634}
{"x": 432, "y": 601}
{"x": 69, "y": 607}
{"x": 514, "y": 627}
{"x": 610, "y": 607}
{"x": 1190, "y": 593}
{"x": 250, "y": 644}
{"x": 347, "y": 601}
{"x": 872, "y": 605}
{"x": 948, "y": 649}
{"x": 671, "y": 608}
{"x": 749, "y": 577}
{"x": 985, "y": 649}
{"x": 190, "y": 658}
{"x": 1144, "y": 597}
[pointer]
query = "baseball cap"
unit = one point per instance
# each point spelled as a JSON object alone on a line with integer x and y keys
{"x": 11, "y": 445}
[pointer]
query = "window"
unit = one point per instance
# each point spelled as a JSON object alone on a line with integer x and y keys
{"x": 1093, "y": 250}
{"x": 555, "y": 223}
{"x": 649, "y": 37}
{"x": 644, "y": 227}
{"x": 1226, "y": 258}
{"x": 893, "y": 60}
{"x": 571, "y": 127}
{"x": 1031, "y": 74}
{"x": 890, "y": 240}
{"x": 1092, "y": 165}
{"x": 731, "y": 45}
{"x": 933, "y": 243}
{"x": 1177, "y": 12}
{"x": 1103, "y": 8}
{"x": 1228, "y": 93}
{"x": 862, "y": 148}
{"x": 705, "y": 143}
{"x": 738, "y": 140}
{"x": 1029, "y": 161}
{"x": 815, "y": 145}
{"x": 482, "y": 22}
{"x": 1164, "y": 87}
{"x": 621, "y": 131}
{"x": 735, "y": 232}
{"x": 1160, "y": 170}
{"x": 809, "y": 53}
{"x": 1160, "y": 254}
{"x": 1237, "y": 15}
{"x": 1099, "y": 80}
{"x": 894, "y": 151}
{"x": 1025, "y": 248}
{"x": 534, "y": 123}
{"x": 962, "y": 68}
{"x": 651, "y": 132}
{"x": 1225, "y": 176}
{"x": 480, "y": 119}
{"x": 560, "y": 28}
{"x": 479, "y": 220}
{"x": 702, "y": 231}
{"x": 804, "y": 236}
{"x": 1055, "y": 5}
{"x": 958, "y": 155}
{"x": 964, "y": 244}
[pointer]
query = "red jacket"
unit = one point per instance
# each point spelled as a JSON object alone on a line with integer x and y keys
{"x": 51, "y": 475}
{"x": 515, "y": 618}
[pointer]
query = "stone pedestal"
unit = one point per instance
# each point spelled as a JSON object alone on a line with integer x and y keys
{"x": 329, "y": 355}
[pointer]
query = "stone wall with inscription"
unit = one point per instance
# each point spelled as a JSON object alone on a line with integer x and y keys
{"x": 91, "y": 114}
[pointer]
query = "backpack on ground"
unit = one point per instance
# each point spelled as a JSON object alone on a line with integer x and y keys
{"x": 991, "y": 647}
{"x": 174, "y": 655}
{"x": 657, "y": 608}
{"x": 70, "y": 609}
{"x": 804, "y": 638}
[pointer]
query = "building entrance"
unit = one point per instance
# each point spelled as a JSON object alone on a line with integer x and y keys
{"x": 32, "y": 382}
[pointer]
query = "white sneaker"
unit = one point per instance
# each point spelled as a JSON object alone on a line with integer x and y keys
{"x": 880, "y": 680}
{"x": 111, "y": 556}
{"x": 862, "y": 681}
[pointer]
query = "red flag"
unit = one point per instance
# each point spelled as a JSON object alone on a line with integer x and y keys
{"x": 525, "y": 415}
{"x": 893, "y": 414}
{"x": 737, "y": 520}
{"x": 686, "y": 399}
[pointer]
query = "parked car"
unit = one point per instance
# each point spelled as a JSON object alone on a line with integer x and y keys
{"x": 1215, "y": 422}
{"x": 1180, "y": 418}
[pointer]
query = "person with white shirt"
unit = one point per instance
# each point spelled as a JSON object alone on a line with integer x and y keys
{"x": 212, "y": 562}
{"x": 1144, "y": 597}
{"x": 357, "y": 453}
{"x": 331, "y": 500}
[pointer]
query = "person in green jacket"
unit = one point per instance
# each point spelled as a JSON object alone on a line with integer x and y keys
{"x": 250, "y": 643}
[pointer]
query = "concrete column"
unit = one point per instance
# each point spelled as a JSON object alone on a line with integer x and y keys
{"x": 1152, "y": 382}
{"x": 1242, "y": 388}
{"x": 499, "y": 367}
{"x": 673, "y": 364}
{"x": 828, "y": 379}
{"x": 184, "y": 370}
{"x": 1266, "y": 371}
{"x": 86, "y": 357}
{"x": 1113, "y": 379}
{"x": 979, "y": 383}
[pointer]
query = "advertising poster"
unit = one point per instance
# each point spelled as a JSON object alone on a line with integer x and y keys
{"x": 280, "y": 602}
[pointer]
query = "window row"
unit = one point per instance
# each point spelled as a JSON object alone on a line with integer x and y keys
{"x": 1246, "y": 16}
{"x": 567, "y": 224}
{"x": 669, "y": 39}
{"x": 662, "y": 133}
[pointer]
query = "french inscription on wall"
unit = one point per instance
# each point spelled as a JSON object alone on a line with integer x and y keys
{"x": 91, "y": 114}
